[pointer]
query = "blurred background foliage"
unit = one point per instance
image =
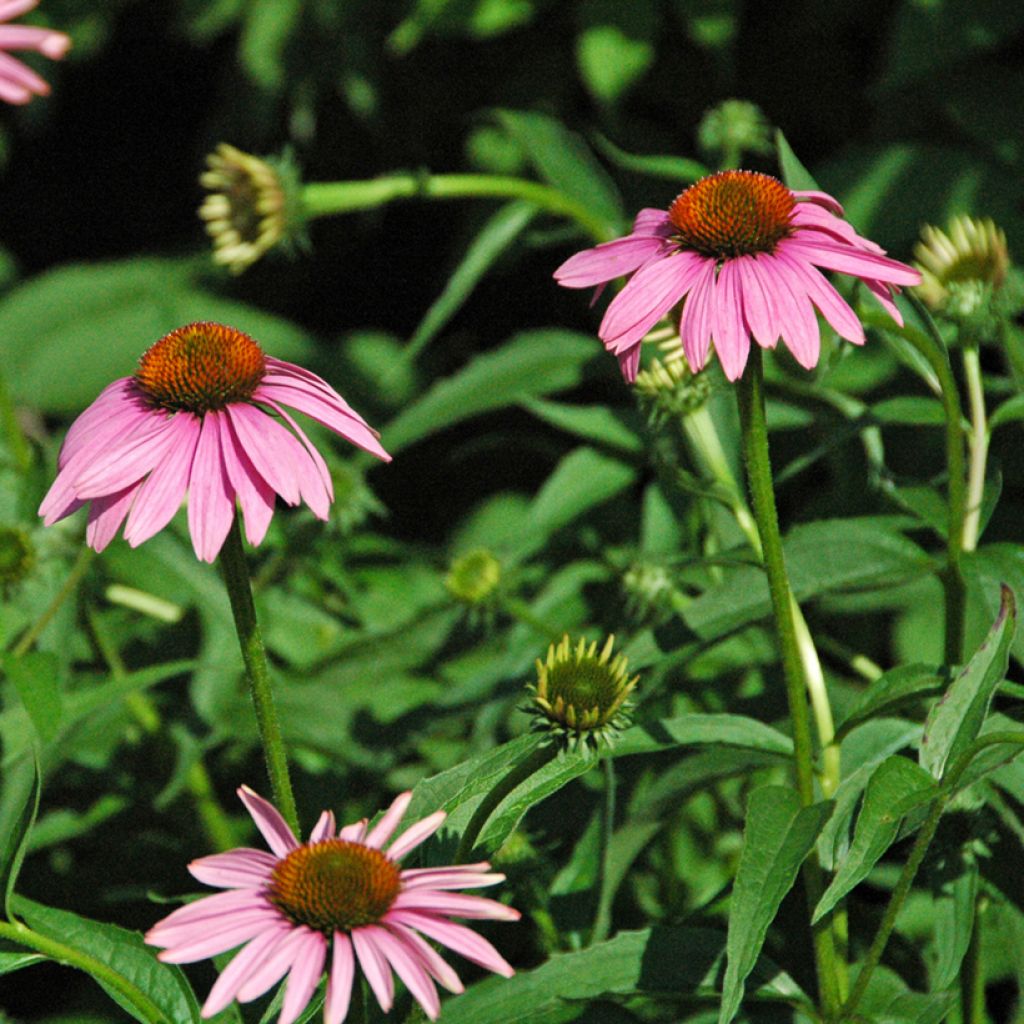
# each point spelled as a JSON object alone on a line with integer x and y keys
{"x": 907, "y": 110}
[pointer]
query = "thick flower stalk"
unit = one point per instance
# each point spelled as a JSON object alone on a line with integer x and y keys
{"x": 18, "y": 82}
{"x": 205, "y": 415}
{"x": 737, "y": 256}
{"x": 341, "y": 892}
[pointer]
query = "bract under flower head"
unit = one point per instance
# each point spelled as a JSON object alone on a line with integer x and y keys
{"x": 738, "y": 256}
{"x": 341, "y": 891}
{"x": 204, "y": 416}
{"x": 18, "y": 82}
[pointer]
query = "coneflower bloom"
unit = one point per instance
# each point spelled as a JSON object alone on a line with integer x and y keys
{"x": 340, "y": 892}
{"x": 741, "y": 256}
{"x": 18, "y": 82}
{"x": 203, "y": 414}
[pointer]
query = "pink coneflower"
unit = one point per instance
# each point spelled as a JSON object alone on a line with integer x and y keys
{"x": 198, "y": 417}
{"x": 341, "y": 891}
{"x": 19, "y": 83}
{"x": 740, "y": 253}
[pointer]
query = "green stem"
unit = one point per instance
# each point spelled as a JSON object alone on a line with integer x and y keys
{"x": 977, "y": 446}
{"x": 20, "y": 450}
{"x": 754, "y": 431}
{"x": 533, "y": 762}
{"x": 932, "y": 347}
{"x": 906, "y": 879}
{"x": 325, "y": 199}
{"x": 521, "y": 610}
{"x": 972, "y": 975}
{"x": 235, "y": 571}
{"x": 32, "y": 634}
{"x": 603, "y": 914}
{"x": 24, "y": 936}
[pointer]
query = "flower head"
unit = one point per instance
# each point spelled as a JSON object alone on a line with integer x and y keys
{"x": 250, "y": 207}
{"x": 959, "y": 266}
{"x": 473, "y": 577}
{"x": 203, "y": 414}
{"x": 737, "y": 256}
{"x": 18, "y": 82}
{"x": 581, "y": 694}
{"x": 340, "y": 891}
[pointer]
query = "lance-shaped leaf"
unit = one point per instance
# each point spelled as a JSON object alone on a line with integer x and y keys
{"x": 955, "y": 721}
{"x": 778, "y": 836}
{"x": 19, "y": 805}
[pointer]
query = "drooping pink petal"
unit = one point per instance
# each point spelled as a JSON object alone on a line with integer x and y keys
{"x": 315, "y": 486}
{"x": 268, "y": 446}
{"x": 106, "y": 515}
{"x": 211, "y": 498}
{"x": 254, "y": 494}
{"x": 463, "y": 940}
{"x": 305, "y": 975}
{"x": 416, "y": 834}
{"x": 384, "y": 829}
{"x": 181, "y": 935}
{"x": 219, "y": 938}
{"x": 407, "y": 966}
{"x": 651, "y": 221}
{"x": 756, "y": 271}
{"x": 433, "y": 963}
{"x": 800, "y": 326}
{"x": 120, "y": 397}
{"x": 832, "y": 305}
{"x": 200, "y": 914}
{"x": 755, "y": 301}
{"x": 732, "y": 342}
{"x": 695, "y": 323}
{"x": 272, "y": 826}
{"x": 809, "y": 217}
{"x": 830, "y": 203}
{"x": 274, "y": 966}
{"x": 457, "y": 904}
{"x": 884, "y": 295}
{"x": 629, "y": 363}
{"x": 847, "y": 260}
{"x": 237, "y": 869}
{"x": 375, "y": 967}
{"x": 607, "y": 261}
{"x": 127, "y": 462}
{"x": 242, "y": 967}
{"x": 163, "y": 491}
{"x": 339, "y": 982}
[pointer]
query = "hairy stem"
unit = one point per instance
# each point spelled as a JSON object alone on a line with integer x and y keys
{"x": 977, "y": 447}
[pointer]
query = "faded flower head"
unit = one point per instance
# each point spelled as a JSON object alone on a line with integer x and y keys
{"x": 251, "y": 206}
{"x": 581, "y": 694}
{"x": 734, "y": 127}
{"x": 205, "y": 415}
{"x": 737, "y": 256}
{"x": 342, "y": 892}
{"x": 962, "y": 266}
{"x": 18, "y": 82}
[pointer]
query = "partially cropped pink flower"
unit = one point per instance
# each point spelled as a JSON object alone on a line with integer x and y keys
{"x": 204, "y": 414}
{"x": 19, "y": 83}
{"x": 739, "y": 254}
{"x": 341, "y": 894}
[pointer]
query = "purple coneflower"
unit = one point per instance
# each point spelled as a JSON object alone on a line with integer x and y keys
{"x": 340, "y": 892}
{"x": 18, "y": 82}
{"x": 199, "y": 417}
{"x": 740, "y": 254}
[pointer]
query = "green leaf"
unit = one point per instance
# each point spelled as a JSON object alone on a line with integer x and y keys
{"x": 1011, "y": 411}
{"x": 677, "y": 169}
{"x": 268, "y": 26}
{"x": 954, "y": 910}
{"x": 99, "y": 318}
{"x": 794, "y": 174}
{"x": 36, "y": 677}
{"x": 889, "y": 1001}
{"x": 611, "y": 60}
{"x": 704, "y": 730}
{"x": 490, "y": 244}
{"x": 821, "y": 557}
{"x": 122, "y": 951}
{"x": 955, "y": 721}
{"x": 892, "y": 690}
{"x": 910, "y": 410}
{"x": 529, "y": 364}
{"x": 564, "y": 161}
{"x": 777, "y": 837}
{"x": 647, "y": 961}
{"x": 19, "y": 806}
{"x": 897, "y": 786}
{"x": 11, "y": 962}
{"x": 593, "y": 422}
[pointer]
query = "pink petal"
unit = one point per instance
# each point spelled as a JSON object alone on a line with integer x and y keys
{"x": 119, "y": 398}
{"x": 629, "y": 363}
{"x": 821, "y": 199}
{"x": 825, "y": 297}
{"x": 208, "y": 910}
{"x": 416, "y": 834}
{"x": 255, "y": 495}
{"x": 884, "y": 294}
{"x": 10, "y": 9}
{"x": 324, "y": 828}
{"x": 463, "y": 876}
{"x": 237, "y": 869}
{"x": 315, "y": 485}
{"x": 354, "y": 833}
{"x": 211, "y": 499}
{"x": 457, "y": 937}
{"x": 106, "y": 515}
{"x": 846, "y": 260}
{"x": 755, "y": 301}
{"x": 307, "y": 969}
{"x": 375, "y": 967}
{"x": 808, "y": 217}
{"x": 272, "y": 826}
{"x": 268, "y": 446}
{"x": 408, "y": 967}
{"x": 339, "y": 982}
{"x": 242, "y": 967}
{"x": 274, "y": 966}
{"x": 163, "y": 491}
{"x": 652, "y": 221}
{"x": 695, "y": 323}
{"x": 382, "y": 831}
{"x": 125, "y": 462}
{"x": 799, "y": 324}
{"x": 214, "y": 940}
{"x": 20, "y": 82}
{"x": 456, "y": 904}
{"x": 732, "y": 343}
{"x": 650, "y": 293}
{"x": 607, "y": 261}
{"x": 439, "y": 969}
